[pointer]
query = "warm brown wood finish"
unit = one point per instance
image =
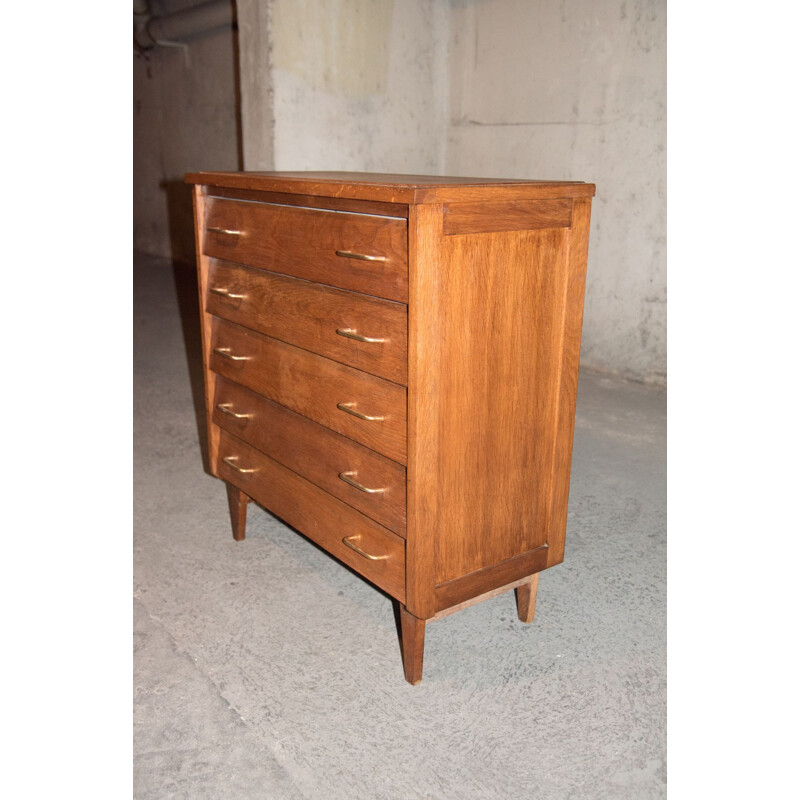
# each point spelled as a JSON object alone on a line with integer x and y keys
{"x": 202, "y": 281}
{"x": 478, "y": 291}
{"x": 310, "y": 201}
{"x": 312, "y": 511}
{"x": 490, "y": 421}
{"x": 393, "y": 188}
{"x": 237, "y": 505}
{"x": 513, "y": 215}
{"x": 314, "y": 387}
{"x": 526, "y": 598}
{"x": 309, "y": 316}
{"x": 304, "y": 243}
{"x": 412, "y": 644}
{"x": 315, "y": 452}
{"x": 484, "y": 580}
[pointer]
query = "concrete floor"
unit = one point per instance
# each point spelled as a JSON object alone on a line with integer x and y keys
{"x": 264, "y": 669}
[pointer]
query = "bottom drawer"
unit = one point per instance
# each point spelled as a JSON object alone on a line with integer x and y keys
{"x": 369, "y": 548}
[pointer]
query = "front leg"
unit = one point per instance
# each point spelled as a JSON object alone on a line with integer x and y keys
{"x": 412, "y": 644}
{"x": 237, "y": 505}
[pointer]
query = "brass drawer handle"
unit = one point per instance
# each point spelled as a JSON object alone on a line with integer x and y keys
{"x": 351, "y": 334}
{"x": 348, "y": 541}
{"x": 359, "y": 256}
{"x": 225, "y": 352}
{"x": 347, "y": 478}
{"x": 226, "y": 231}
{"x": 348, "y": 407}
{"x": 229, "y": 461}
{"x": 225, "y": 408}
{"x": 226, "y": 293}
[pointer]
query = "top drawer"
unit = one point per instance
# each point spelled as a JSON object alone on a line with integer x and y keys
{"x": 361, "y": 252}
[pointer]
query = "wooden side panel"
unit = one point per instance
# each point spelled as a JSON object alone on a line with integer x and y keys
{"x": 489, "y": 326}
{"x": 205, "y": 326}
{"x": 575, "y": 265}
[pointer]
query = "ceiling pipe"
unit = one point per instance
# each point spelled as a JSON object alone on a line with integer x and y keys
{"x": 172, "y": 28}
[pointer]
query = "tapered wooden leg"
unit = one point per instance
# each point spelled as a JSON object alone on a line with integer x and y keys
{"x": 526, "y": 598}
{"x": 413, "y": 644}
{"x": 237, "y": 505}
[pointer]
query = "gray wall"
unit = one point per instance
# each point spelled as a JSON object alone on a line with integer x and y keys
{"x": 185, "y": 118}
{"x": 571, "y": 90}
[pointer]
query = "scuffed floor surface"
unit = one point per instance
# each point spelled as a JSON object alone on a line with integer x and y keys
{"x": 264, "y": 669}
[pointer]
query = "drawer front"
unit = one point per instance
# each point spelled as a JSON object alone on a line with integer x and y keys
{"x": 332, "y": 462}
{"x": 319, "y": 516}
{"x": 351, "y": 251}
{"x": 318, "y": 388}
{"x": 318, "y": 318}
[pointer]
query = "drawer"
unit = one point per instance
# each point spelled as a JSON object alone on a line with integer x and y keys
{"x": 332, "y": 462}
{"x": 322, "y": 518}
{"x": 362, "y": 407}
{"x": 315, "y": 317}
{"x": 361, "y": 252}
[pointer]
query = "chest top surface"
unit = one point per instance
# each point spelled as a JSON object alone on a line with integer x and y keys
{"x": 393, "y": 188}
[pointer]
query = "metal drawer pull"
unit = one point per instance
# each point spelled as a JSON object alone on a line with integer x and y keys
{"x": 226, "y": 293}
{"x": 348, "y": 541}
{"x": 348, "y": 407}
{"x": 226, "y": 231}
{"x": 229, "y": 461}
{"x": 347, "y": 477}
{"x": 225, "y": 408}
{"x": 359, "y": 256}
{"x": 351, "y": 334}
{"x": 225, "y": 352}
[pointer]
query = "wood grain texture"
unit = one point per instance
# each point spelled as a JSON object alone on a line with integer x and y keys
{"x": 526, "y": 598}
{"x": 316, "y": 514}
{"x": 413, "y": 645}
{"x": 486, "y": 393}
{"x": 424, "y": 343}
{"x": 477, "y": 583}
{"x": 393, "y": 188}
{"x": 509, "y": 215}
{"x": 212, "y": 432}
{"x": 312, "y": 201}
{"x": 493, "y": 273}
{"x": 309, "y": 314}
{"x": 313, "y": 386}
{"x": 237, "y": 506}
{"x": 473, "y": 601}
{"x": 315, "y": 452}
{"x": 303, "y": 242}
{"x": 570, "y": 350}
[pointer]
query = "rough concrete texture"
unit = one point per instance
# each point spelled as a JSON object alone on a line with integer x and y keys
{"x": 359, "y": 84}
{"x": 185, "y": 118}
{"x": 265, "y": 669}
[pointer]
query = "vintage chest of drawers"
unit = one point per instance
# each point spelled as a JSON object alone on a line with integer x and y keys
{"x": 391, "y": 367}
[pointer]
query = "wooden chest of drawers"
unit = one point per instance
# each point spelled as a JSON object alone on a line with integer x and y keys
{"x": 391, "y": 367}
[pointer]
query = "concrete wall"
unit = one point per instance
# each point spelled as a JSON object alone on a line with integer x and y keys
{"x": 577, "y": 90}
{"x": 185, "y": 119}
{"x": 354, "y": 84}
